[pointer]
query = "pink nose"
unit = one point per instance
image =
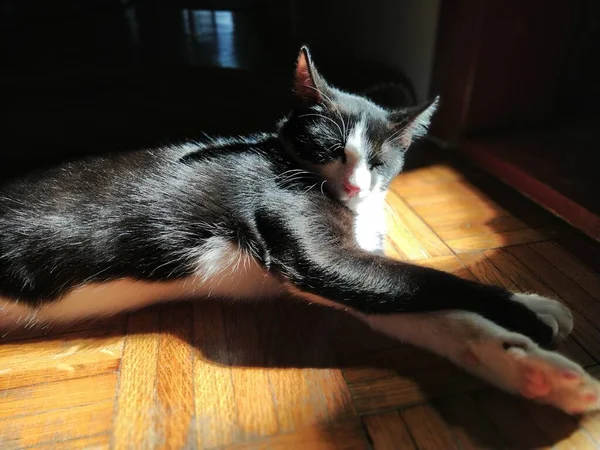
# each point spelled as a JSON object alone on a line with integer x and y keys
{"x": 350, "y": 189}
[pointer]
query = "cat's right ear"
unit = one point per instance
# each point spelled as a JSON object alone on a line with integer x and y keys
{"x": 308, "y": 84}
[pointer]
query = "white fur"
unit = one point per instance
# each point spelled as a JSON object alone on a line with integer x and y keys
{"x": 356, "y": 154}
{"x": 553, "y": 312}
{"x": 223, "y": 271}
{"x": 508, "y": 360}
{"x": 369, "y": 204}
{"x": 355, "y": 170}
{"x": 369, "y": 224}
{"x": 480, "y": 346}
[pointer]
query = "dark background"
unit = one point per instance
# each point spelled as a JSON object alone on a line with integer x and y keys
{"x": 519, "y": 80}
{"x": 87, "y": 76}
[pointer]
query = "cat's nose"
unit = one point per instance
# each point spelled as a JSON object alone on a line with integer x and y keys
{"x": 351, "y": 189}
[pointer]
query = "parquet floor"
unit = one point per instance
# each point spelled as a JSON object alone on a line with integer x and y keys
{"x": 285, "y": 375}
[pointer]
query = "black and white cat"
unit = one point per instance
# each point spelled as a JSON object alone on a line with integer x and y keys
{"x": 298, "y": 212}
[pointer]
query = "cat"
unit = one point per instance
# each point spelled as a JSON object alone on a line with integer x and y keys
{"x": 298, "y": 212}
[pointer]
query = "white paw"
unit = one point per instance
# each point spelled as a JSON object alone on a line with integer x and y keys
{"x": 518, "y": 365}
{"x": 552, "y": 312}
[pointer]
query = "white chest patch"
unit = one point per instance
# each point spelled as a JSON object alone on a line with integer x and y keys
{"x": 370, "y": 224}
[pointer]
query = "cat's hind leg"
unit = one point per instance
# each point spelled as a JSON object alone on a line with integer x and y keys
{"x": 508, "y": 360}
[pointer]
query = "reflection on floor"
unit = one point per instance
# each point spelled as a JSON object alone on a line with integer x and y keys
{"x": 286, "y": 375}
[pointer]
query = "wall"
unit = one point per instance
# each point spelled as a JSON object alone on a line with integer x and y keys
{"x": 397, "y": 33}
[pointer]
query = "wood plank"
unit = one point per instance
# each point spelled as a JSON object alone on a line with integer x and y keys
{"x": 455, "y": 192}
{"x": 135, "y": 415}
{"x": 591, "y": 424}
{"x": 570, "y": 266}
{"x": 469, "y": 425}
{"x": 58, "y": 395}
{"x": 416, "y": 179}
{"x": 428, "y": 428}
{"x": 174, "y": 385}
{"x": 461, "y": 217}
{"x": 579, "y": 440}
{"x": 499, "y": 240}
{"x": 562, "y": 430}
{"x": 47, "y": 332}
{"x": 387, "y": 431}
{"x": 306, "y": 388}
{"x": 368, "y": 373}
{"x": 216, "y": 408}
{"x": 567, "y": 289}
{"x": 409, "y": 234}
{"x": 347, "y": 435}
{"x": 582, "y": 247}
{"x": 73, "y": 355}
{"x": 484, "y": 271}
{"x": 98, "y": 442}
{"x": 425, "y": 378}
{"x": 584, "y": 331}
{"x": 57, "y": 426}
{"x": 257, "y": 415}
{"x": 451, "y": 264}
{"x": 466, "y": 206}
{"x": 416, "y": 193}
{"x": 511, "y": 421}
{"x": 306, "y": 397}
{"x": 390, "y": 249}
{"x": 499, "y": 224}
{"x": 488, "y": 273}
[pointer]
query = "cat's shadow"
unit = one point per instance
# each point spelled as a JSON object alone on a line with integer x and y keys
{"x": 381, "y": 374}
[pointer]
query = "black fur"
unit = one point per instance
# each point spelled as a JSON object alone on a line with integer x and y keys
{"x": 141, "y": 215}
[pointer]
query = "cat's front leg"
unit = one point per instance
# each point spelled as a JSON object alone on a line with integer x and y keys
{"x": 311, "y": 246}
{"x": 509, "y": 360}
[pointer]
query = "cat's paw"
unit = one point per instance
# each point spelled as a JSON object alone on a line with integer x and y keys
{"x": 551, "y": 312}
{"x": 550, "y": 381}
{"x": 518, "y": 365}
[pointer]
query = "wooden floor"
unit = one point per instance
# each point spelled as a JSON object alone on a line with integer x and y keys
{"x": 294, "y": 376}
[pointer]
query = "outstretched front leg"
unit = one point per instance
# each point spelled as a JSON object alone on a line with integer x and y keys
{"x": 489, "y": 331}
{"x": 311, "y": 246}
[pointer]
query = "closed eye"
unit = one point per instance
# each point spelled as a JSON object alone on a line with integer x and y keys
{"x": 375, "y": 163}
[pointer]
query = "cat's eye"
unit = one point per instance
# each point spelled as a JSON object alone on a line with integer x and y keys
{"x": 375, "y": 163}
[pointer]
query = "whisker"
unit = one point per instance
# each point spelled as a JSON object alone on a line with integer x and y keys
{"x": 335, "y": 146}
{"x": 324, "y": 181}
{"x": 311, "y": 187}
{"x": 291, "y": 171}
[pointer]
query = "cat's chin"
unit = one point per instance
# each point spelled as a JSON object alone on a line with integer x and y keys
{"x": 358, "y": 203}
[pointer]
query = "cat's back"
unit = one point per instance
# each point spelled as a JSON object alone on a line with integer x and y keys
{"x": 143, "y": 183}
{"x": 89, "y": 176}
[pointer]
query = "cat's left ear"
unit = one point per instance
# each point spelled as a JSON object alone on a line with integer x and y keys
{"x": 412, "y": 123}
{"x": 308, "y": 84}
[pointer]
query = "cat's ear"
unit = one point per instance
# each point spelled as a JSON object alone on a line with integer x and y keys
{"x": 308, "y": 84}
{"x": 412, "y": 123}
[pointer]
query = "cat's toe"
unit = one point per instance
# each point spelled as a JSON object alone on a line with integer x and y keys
{"x": 516, "y": 364}
{"x": 535, "y": 384}
{"x": 550, "y": 378}
{"x": 551, "y": 312}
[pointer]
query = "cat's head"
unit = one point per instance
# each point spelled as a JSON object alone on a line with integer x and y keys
{"x": 356, "y": 145}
